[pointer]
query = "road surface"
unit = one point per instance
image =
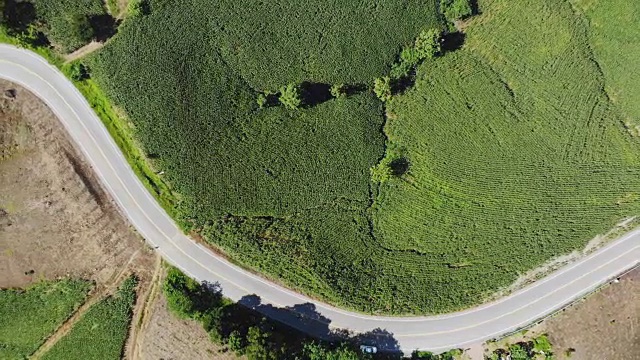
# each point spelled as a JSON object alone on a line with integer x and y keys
{"x": 435, "y": 333}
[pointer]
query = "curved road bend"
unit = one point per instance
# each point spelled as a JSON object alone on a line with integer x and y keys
{"x": 435, "y": 333}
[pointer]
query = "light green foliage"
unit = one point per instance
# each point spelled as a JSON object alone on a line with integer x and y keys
{"x": 382, "y": 172}
{"x": 427, "y": 44}
{"x": 101, "y": 332}
{"x": 541, "y": 343}
{"x": 614, "y": 34}
{"x": 290, "y": 96}
{"x": 500, "y": 161}
{"x": 456, "y": 9}
{"x": 338, "y": 90}
{"x": 66, "y": 22}
{"x": 261, "y": 100}
{"x": 137, "y": 8}
{"x": 28, "y": 317}
{"x": 234, "y": 342}
{"x": 382, "y": 88}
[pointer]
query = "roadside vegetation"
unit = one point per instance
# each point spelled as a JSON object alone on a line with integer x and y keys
{"x": 415, "y": 172}
{"x": 245, "y": 331}
{"x": 101, "y": 332}
{"x": 29, "y": 316}
{"x": 538, "y": 348}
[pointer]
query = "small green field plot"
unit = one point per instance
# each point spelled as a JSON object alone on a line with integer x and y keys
{"x": 28, "y": 317}
{"x": 101, "y": 332}
{"x": 614, "y": 34}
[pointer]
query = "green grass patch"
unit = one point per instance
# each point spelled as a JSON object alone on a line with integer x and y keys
{"x": 101, "y": 332}
{"x": 29, "y": 316}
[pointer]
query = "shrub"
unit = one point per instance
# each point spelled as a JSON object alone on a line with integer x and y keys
{"x": 290, "y": 96}
{"x": 261, "y": 100}
{"x": 382, "y": 88}
{"x": 427, "y": 44}
{"x": 456, "y": 9}
{"x": 338, "y": 90}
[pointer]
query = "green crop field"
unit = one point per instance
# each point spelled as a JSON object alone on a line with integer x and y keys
{"x": 505, "y": 170}
{"x": 614, "y": 34}
{"x": 515, "y": 148}
{"x": 28, "y": 317}
{"x": 101, "y": 332}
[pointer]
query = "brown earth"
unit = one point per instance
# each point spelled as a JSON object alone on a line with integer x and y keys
{"x": 606, "y": 325}
{"x": 57, "y": 221}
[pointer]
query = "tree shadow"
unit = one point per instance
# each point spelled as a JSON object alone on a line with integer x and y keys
{"x": 18, "y": 15}
{"x": 306, "y": 319}
{"x": 399, "y": 166}
{"x": 453, "y": 41}
{"x": 404, "y": 83}
{"x": 104, "y": 26}
{"x": 315, "y": 93}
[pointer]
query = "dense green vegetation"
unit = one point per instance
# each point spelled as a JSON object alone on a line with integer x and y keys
{"x": 483, "y": 158}
{"x": 69, "y": 24}
{"x": 28, "y": 317}
{"x": 101, "y": 332}
{"x": 506, "y": 171}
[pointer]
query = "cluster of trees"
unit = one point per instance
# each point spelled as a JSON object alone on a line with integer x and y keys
{"x": 456, "y": 9}
{"x": 293, "y": 96}
{"x": 426, "y": 46}
{"x": 241, "y": 329}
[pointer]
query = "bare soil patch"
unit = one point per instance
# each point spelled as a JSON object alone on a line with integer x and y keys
{"x": 55, "y": 218}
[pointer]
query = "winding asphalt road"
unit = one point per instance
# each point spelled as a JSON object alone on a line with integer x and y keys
{"x": 435, "y": 333}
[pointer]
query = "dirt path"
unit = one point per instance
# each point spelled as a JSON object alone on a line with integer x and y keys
{"x": 83, "y": 51}
{"x": 142, "y": 313}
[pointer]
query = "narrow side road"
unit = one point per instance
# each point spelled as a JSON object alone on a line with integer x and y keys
{"x": 434, "y": 333}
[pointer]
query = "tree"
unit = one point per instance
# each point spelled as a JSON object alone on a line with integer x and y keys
{"x": 81, "y": 27}
{"x": 262, "y": 100}
{"x": 382, "y": 172}
{"x": 257, "y": 346}
{"x": 315, "y": 351}
{"x": 235, "y": 342}
{"x": 290, "y": 96}
{"x": 382, "y": 88}
{"x": 78, "y": 71}
{"x": 427, "y": 44}
{"x": 456, "y": 9}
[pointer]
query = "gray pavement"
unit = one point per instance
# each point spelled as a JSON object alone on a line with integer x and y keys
{"x": 435, "y": 333}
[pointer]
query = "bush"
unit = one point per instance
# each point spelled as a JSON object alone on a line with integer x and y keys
{"x": 455, "y": 9}
{"x": 290, "y": 96}
{"x": 261, "y": 100}
{"x": 338, "y": 90}
{"x": 428, "y": 44}
{"x": 382, "y": 88}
